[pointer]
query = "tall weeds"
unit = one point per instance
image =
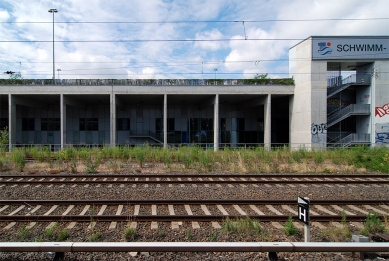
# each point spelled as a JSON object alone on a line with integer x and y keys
{"x": 256, "y": 160}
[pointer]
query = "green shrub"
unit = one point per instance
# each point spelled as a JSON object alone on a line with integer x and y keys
{"x": 289, "y": 228}
{"x": 373, "y": 224}
{"x": 63, "y": 235}
{"x": 130, "y": 234}
{"x": 22, "y": 234}
{"x": 95, "y": 237}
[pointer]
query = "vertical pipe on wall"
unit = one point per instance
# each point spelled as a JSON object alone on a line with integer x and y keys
{"x": 165, "y": 121}
{"x": 216, "y": 124}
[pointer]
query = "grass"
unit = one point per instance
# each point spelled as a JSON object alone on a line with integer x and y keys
{"x": 290, "y": 229}
{"x": 63, "y": 235}
{"x": 337, "y": 234}
{"x": 50, "y": 232}
{"x": 253, "y": 160}
{"x": 242, "y": 225}
{"x": 94, "y": 237}
{"x": 22, "y": 234}
{"x": 213, "y": 237}
{"x": 373, "y": 224}
{"x": 130, "y": 234}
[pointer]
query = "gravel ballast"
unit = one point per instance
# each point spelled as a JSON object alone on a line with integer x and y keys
{"x": 185, "y": 233}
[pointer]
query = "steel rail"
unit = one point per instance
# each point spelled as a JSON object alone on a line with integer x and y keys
{"x": 45, "y": 182}
{"x": 273, "y": 247}
{"x": 168, "y": 218}
{"x": 189, "y": 202}
{"x": 198, "y": 176}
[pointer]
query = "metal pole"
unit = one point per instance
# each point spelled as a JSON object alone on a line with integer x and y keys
{"x": 53, "y": 51}
{"x": 53, "y": 11}
{"x": 307, "y": 234}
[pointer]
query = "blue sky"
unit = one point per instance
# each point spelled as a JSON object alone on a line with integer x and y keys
{"x": 143, "y": 39}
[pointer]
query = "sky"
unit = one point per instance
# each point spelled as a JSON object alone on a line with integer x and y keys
{"x": 171, "y": 39}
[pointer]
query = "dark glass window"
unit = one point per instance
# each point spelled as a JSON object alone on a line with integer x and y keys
{"x": 123, "y": 124}
{"x": 28, "y": 124}
{"x": 3, "y": 123}
{"x": 241, "y": 124}
{"x": 158, "y": 124}
{"x": 50, "y": 124}
{"x": 89, "y": 124}
{"x": 170, "y": 124}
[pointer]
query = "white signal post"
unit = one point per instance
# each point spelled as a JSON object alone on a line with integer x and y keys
{"x": 303, "y": 216}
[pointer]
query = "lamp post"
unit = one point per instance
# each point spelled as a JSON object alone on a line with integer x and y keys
{"x": 53, "y": 11}
{"x": 58, "y": 70}
{"x": 215, "y": 74}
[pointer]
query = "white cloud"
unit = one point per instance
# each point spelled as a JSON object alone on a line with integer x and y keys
{"x": 213, "y": 34}
{"x": 100, "y": 59}
{"x": 4, "y": 15}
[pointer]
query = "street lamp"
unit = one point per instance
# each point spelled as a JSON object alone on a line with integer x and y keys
{"x": 215, "y": 74}
{"x": 53, "y": 11}
{"x": 58, "y": 70}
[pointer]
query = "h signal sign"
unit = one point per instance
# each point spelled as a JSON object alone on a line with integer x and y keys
{"x": 303, "y": 210}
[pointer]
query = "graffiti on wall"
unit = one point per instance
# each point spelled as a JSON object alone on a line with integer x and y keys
{"x": 336, "y": 101}
{"x": 382, "y": 111}
{"x": 316, "y": 130}
{"x": 382, "y": 133}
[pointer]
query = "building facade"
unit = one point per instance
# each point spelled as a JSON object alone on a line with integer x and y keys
{"x": 340, "y": 97}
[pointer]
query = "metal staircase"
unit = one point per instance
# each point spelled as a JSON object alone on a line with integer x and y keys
{"x": 352, "y": 109}
{"x": 145, "y": 134}
{"x": 335, "y": 85}
{"x": 355, "y": 138}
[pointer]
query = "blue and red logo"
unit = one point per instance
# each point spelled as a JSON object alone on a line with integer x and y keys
{"x": 324, "y": 48}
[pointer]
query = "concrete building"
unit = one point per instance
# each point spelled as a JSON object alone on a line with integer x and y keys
{"x": 340, "y": 97}
{"x": 341, "y": 91}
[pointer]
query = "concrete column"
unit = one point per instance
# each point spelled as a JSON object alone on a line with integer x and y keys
{"x": 216, "y": 124}
{"x": 267, "y": 121}
{"x": 63, "y": 121}
{"x": 165, "y": 121}
{"x": 11, "y": 121}
{"x": 113, "y": 118}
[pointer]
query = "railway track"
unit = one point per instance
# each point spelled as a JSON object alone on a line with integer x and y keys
{"x": 183, "y": 210}
{"x": 256, "y": 179}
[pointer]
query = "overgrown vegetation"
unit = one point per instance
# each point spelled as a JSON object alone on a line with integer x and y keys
{"x": 196, "y": 159}
{"x": 242, "y": 225}
{"x": 129, "y": 234}
{"x": 290, "y": 229}
{"x": 373, "y": 224}
{"x": 337, "y": 233}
